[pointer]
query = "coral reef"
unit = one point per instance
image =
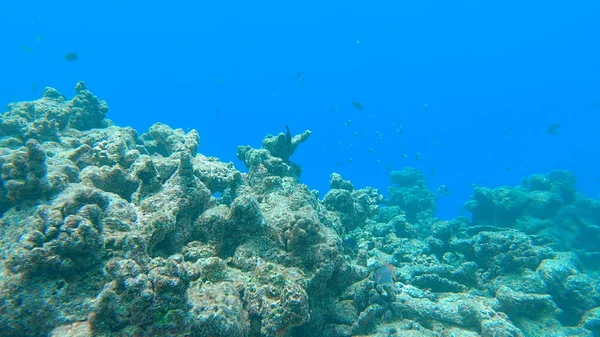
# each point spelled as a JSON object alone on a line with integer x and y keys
{"x": 352, "y": 206}
{"x": 546, "y": 207}
{"x": 411, "y": 194}
{"x": 273, "y": 159}
{"x": 109, "y": 233}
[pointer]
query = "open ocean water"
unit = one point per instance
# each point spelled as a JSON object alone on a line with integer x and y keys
{"x": 340, "y": 168}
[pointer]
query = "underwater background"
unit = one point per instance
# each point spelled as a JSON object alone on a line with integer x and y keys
{"x": 474, "y": 86}
{"x": 301, "y": 169}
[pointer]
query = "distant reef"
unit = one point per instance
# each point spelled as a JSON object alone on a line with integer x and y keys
{"x": 106, "y": 232}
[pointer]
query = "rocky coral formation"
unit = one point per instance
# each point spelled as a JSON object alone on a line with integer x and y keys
{"x": 547, "y": 207}
{"x": 109, "y": 233}
{"x": 273, "y": 159}
{"x": 352, "y": 206}
{"x": 411, "y": 194}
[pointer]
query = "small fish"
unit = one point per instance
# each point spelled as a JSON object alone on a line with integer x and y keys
{"x": 508, "y": 132}
{"x": 371, "y": 151}
{"x": 299, "y": 77}
{"x": 71, "y": 57}
{"x": 357, "y": 105}
{"x": 404, "y": 155}
{"x": 553, "y": 129}
{"x": 507, "y": 169}
{"x": 39, "y": 38}
{"x": 218, "y": 111}
{"x": 355, "y": 134}
{"x": 288, "y": 134}
{"x": 26, "y": 49}
{"x": 417, "y": 156}
{"x": 348, "y": 123}
{"x": 385, "y": 275}
{"x": 334, "y": 109}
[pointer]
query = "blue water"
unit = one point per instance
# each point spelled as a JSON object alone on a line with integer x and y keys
{"x": 457, "y": 76}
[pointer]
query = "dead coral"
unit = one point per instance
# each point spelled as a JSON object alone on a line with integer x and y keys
{"x": 273, "y": 158}
{"x": 23, "y": 173}
{"x": 281, "y": 146}
{"x": 163, "y": 140}
{"x": 86, "y": 110}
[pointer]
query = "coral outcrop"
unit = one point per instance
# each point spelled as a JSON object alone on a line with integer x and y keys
{"x": 411, "y": 194}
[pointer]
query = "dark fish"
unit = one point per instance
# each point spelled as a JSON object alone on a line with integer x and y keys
{"x": 357, "y": 105}
{"x": 553, "y": 129}
{"x": 288, "y": 134}
{"x": 385, "y": 275}
{"x": 71, "y": 57}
